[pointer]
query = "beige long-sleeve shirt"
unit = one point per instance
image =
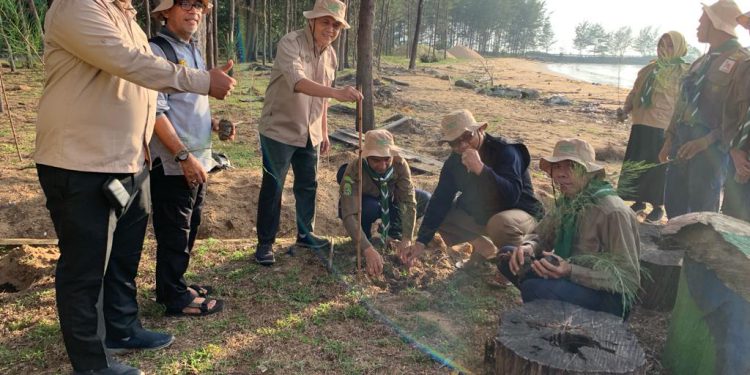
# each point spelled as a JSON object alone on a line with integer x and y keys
{"x": 291, "y": 117}
{"x": 608, "y": 226}
{"x": 663, "y": 99}
{"x": 97, "y": 111}
{"x": 403, "y": 193}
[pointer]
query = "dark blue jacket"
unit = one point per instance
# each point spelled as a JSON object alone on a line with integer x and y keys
{"x": 503, "y": 184}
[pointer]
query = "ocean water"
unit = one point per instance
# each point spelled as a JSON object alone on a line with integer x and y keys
{"x": 607, "y": 74}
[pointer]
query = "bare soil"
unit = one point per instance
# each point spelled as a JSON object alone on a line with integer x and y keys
{"x": 255, "y": 335}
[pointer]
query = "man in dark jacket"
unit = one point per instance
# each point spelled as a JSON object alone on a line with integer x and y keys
{"x": 484, "y": 195}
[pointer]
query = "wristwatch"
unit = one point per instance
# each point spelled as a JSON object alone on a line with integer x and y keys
{"x": 181, "y": 155}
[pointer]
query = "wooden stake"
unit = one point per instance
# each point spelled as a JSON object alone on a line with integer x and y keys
{"x": 10, "y": 117}
{"x": 359, "y": 188}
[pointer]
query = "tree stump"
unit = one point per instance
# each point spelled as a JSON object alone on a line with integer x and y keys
{"x": 554, "y": 337}
{"x": 710, "y": 325}
{"x": 662, "y": 263}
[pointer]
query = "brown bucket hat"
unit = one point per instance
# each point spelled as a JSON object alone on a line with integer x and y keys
{"x": 572, "y": 149}
{"x": 379, "y": 143}
{"x": 723, "y": 15}
{"x": 456, "y": 123}
{"x": 330, "y": 8}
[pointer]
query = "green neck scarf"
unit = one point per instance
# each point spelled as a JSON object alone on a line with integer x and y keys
{"x": 570, "y": 209}
{"x": 659, "y": 76}
{"x": 381, "y": 180}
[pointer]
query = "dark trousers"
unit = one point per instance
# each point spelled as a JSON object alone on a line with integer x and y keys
{"x": 694, "y": 185}
{"x": 99, "y": 254}
{"x": 736, "y": 197}
{"x": 177, "y": 211}
{"x": 277, "y": 157}
{"x": 371, "y": 209}
{"x": 533, "y": 287}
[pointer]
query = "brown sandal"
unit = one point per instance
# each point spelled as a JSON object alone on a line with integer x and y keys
{"x": 204, "y": 310}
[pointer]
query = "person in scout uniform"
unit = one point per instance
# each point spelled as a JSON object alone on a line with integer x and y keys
{"x": 736, "y": 123}
{"x": 388, "y": 194}
{"x": 496, "y": 205}
{"x": 651, "y": 103}
{"x": 693, "y": 139}
{"x": 294, "y": 125}
{"x": 580, "y": 243}
{"x": 182, "y": 159}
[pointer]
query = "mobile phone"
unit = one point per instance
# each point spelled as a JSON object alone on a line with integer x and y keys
{"x": 116, "y": 194}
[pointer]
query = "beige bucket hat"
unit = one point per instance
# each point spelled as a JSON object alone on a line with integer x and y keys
{"x": 379, "y": 143}
{"x": 456, "y": 123}
{"x": 572, "y": 149}
{"x": 723, "y": 15}
{"x": 744, "y": 20}
{"x": 332, "y": 8}
{"x": 167, "y": 4}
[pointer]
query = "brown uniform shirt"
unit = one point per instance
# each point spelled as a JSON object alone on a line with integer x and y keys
{"x": 737, "y": 104}
{"x": 290, "y": 117}
{"x": 403, "y": 193}
{"x": 713, "y": 95}
{"x": 609, "y": 226}
{"x": 663, "y": 99}
{"x": 97, "y": 111}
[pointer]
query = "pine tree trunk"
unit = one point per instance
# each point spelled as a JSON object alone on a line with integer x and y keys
{"x": 364, "y": 62}
{"x": 232, "y": 28}
{"x": 147, "y": 8}
{"x": 11, "y": 56}
{"x": 249, "y": 52}
{"x": 215, "y": 15}
{"x": 209, "y": 51}
{"x": 35, "y": 14}
{"x": 265, "y": 31}
{"x": 415, "y": 42}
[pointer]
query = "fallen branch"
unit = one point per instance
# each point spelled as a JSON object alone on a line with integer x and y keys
{"x": 10, "y": 115}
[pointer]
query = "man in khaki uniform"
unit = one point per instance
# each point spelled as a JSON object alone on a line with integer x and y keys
{"x": 294, "y": 126}
{"x": 388, "y": 194}
{"x": 693, "y": 138}
{"x": 736, "y": 125}
{"x": 96, "y": 118}
{"x": 591, "y": 232}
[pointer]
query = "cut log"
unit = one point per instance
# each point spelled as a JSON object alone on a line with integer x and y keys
{"x": 662, "y": 266}
{"x": 711, "y": 318}
{"x": 417, "y": 163}
{"x": 391, "y": 80}
{"x": 28, "y": 241}
{"x": 340, "y": 108}
{"x": 554, "y": 337}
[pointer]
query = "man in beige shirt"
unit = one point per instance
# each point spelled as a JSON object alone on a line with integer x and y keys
{"x": 96, "y": 118}
{"x": 293, "y": 125}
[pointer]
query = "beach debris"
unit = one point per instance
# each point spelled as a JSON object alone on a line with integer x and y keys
{"x": 557, "y": 100}
{"x": 465, "y": 84}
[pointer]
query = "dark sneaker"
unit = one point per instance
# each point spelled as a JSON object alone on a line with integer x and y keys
{"x": 115, "y": 368}
{"x": 638, "y": 206}
{"x": 655, "y": 215}
{"x": 142, "y": 340}
{"x": 311, "y": 241}
{"x": 264, "y": 255}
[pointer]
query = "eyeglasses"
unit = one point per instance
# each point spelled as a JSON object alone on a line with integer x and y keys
{"x": 466, "y": 137}
{"x": 187, "y": 5}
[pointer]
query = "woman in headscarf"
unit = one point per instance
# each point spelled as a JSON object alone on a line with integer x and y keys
{"x": 651, "y": 103}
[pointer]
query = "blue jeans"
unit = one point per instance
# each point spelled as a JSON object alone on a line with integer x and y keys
{"x": 277, "y": 157}
{"x": 533, "y": 287}
{"x": 371, "y": 209}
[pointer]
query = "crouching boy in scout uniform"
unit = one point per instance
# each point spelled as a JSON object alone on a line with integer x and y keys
{"x": 693, "y": 138}
{"x": 388, "y": 194}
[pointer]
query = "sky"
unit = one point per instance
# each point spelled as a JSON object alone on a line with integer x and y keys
{"x": 679, "y": 15}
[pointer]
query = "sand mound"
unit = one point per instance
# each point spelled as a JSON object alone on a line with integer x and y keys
{"x": 26, "y": 266}
{"x": 463, "y": 52}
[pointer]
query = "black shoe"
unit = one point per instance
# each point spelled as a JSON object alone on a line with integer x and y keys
{"x": 638, "y": 206}
{"x": 142, "y": 340}
{"x": 264, "y": 255}
{"x": 311, "y": 241}
{"x": 115, "y": 368}
{"x": 655, "y": 215}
